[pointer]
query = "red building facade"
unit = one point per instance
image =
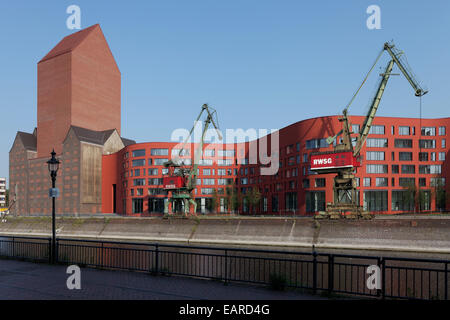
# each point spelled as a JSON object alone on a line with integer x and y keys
{"x": 399, "y": 153}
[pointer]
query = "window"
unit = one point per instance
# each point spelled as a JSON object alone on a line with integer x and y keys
{"x": 209, "y": 152}
{"x": 138, "y": 205}
{"x": 430, "y": 169}
{"x": 305, "y": 157}
{"x": 403, "y": 131}
{"x": 180, "y": 152}
{"x": 289, "y": 149}
{"x": 275, "y": 203}
{"x": 437, "y": 182}
{"x": 291, "y": 201}
{"x": 224, "y": 162}
{"x": 408, "y": 168}
{"x": 305, "y": 183}
{"x": 207, "y": 190}
{"x": 402, "y": 201}
{"x": 357, "y": 182}
{"x": 160, "y": 161}
{"x": 376, "y": 168}
{"x": 443, "y": 143}
{"x": 226, "y": 153}
{"x": 375, "y": 155}
{"x": 222, "y": 182}
{"x": 153, "y": 171}
{"x": 376, "y": 130}
{"x": 221, "y": 172}
{"x": 381, "y": 182}
{"x": 423, "y": 156}
{"x": 137, "y": 172}
{"x": 138, "y": 163}
{"x": 205, "y": 162}
{"x": 209, "y": 182}
{"x": 139, "y": 191}
{"x": 298, "y": 146}
{"x": 433, "y": 156}
{"x": 138, "y": 182}
{"x": 405, "y": 156}
{"x": 406, "y": 182}
{"x": 138, "y": 153}
{"x": 375, "y": 200}
{"x": 316, "y": 143}
{"x": 442, "y": 131}
{"x": 403, "y": 143}
{"x": 376, "y": 143}
{"x": 366, "y": 182}
{"x": 159, "y": 152}
{"x": 164, "y": 171}
{"x": 427, "y": 144}
{"x": 206, "y": 172}
{"x": 355, "y": 128}
{"x": 428, "y": 131}
{"x": 422, "y": 182}
{"x": 315, "y": 201}
{"x": 320, "y": 182}
{"x": 392, "y": 130}
{"x": 155, "y": 181}
{"x": 441, "y": 156}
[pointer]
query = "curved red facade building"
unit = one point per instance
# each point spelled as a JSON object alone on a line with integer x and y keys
{"x": 399, "y": 153}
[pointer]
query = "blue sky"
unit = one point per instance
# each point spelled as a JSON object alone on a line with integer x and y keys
{"x": 261, "y": 64}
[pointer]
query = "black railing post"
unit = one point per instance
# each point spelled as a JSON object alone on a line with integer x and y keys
{"x": 13, "y": 247}
{"x": 331, "y": 273}
{"x": 314, "y": 272}
{"x": 226, "y": 267}
{"x": 56, "y": 250}
{"x": 156, "y": 259}
{"x": 381, "y": 292}
{"x": 50, "y": 250}
{"x": 446, "y": 281}
{"x": 101, "y": 258}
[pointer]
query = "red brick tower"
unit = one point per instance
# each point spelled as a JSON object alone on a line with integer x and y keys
{"x": 78, "y": 84}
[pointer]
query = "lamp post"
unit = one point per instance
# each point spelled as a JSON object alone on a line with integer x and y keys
{"x": 53, "y": 166}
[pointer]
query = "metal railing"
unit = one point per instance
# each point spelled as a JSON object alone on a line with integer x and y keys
{"x": 403, "y": 278}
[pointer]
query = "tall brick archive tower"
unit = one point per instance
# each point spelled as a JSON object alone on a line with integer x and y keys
{"x": 78, "y": 115}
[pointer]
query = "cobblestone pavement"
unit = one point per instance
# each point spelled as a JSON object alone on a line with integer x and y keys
{"x": 33, "y": 281}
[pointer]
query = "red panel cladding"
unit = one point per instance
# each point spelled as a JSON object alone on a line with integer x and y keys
{"x": 173, "y": 182}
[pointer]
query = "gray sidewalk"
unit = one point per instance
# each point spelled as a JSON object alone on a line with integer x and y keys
{"x": 33, "y": 281}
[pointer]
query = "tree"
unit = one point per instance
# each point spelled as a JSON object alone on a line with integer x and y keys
{"x": 233, "y": 198}
{"x": 439, "y": 193}
{"x": 253, "y": 199}
{"x": 7, "y": 198}
{"x": 412, "y": 197}
{"x": 214, "y": 201}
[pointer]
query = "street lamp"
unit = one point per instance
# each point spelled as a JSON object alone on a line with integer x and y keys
{"x": 53, "y": 166}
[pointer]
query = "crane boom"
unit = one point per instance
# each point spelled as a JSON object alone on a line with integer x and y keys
{"x": 395, "y": 56}
{"x": 364, "y": 132}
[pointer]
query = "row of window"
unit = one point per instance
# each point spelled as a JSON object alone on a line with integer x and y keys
{"x": 179, "y": 152}
{"x": 405, "y": 168}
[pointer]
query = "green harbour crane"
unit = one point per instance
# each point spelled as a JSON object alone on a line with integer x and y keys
{"x": 181, "y": 180}
{"x": 345, "y": 158}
